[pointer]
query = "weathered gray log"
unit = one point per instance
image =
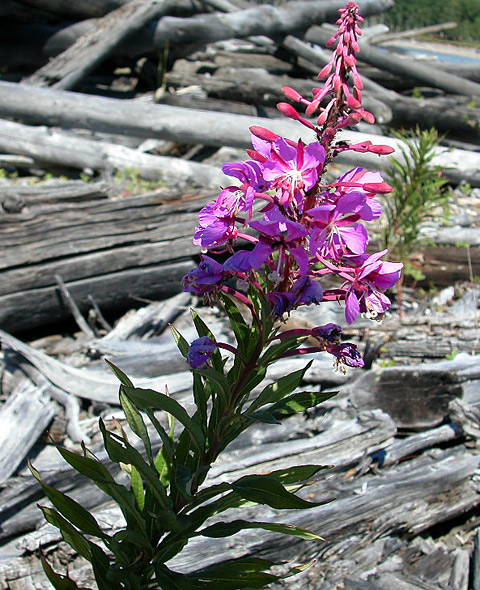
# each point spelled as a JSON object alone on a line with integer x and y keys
{"x": 114, "y": 250}
{"x": 428, "y": 75}
{"x": 345, "y": 439}
{"x": 23, "y": 418}
{"x": 61, "y": 148}
{"x": 67, "y": 69}
{"x": 416, "y": 396}
{"x": 44, "y": 105}
{"x": 258, "y": 87}
{"x": 150, "y": 320}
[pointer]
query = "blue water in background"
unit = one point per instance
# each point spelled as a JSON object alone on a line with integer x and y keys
{"x": 446, "y": 57}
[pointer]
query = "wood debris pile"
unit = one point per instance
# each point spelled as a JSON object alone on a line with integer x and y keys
{"x": 401, "y": 502}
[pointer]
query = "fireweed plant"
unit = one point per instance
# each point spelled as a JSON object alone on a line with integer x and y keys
{"x": 308, "y": 231}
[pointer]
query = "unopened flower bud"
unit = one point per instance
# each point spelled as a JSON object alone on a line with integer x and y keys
{"x": 378, "y": 187}
{"x": 292, "y": 94}
{"x": 382, "y": 150}
{"x": 263, "y": 133}
{"x": 325, "y": 70}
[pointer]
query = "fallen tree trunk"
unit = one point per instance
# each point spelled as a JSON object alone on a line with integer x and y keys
{"x": 62, "y": 108}
{"x": 258, "y": 87}
{"x": 60, "y": 148}
{"x": 67, "y": 69}
{"x": 113, "y": 250}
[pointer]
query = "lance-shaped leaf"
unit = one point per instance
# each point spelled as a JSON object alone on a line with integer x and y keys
{"x": 119, "y": 374}
{"x": 279, "y": 389}
{"x": 274, "y": 351}
{"x": 147, "y": 398}
{"x": 299, "y": 402}
{"x": 182, "y": 344}
{"x": 297, "y": 473}
{"x": 120, "y": 451}
{"x": 70, "y": 534}
{"x": 265, "y": 489}
{"x": 70, "y": 509}
{"x": 135, "y": 421}
{"x": 239, "y": 326}
{"x": 166, "y": 578}
{"x": 235, "y": 574}
{"x": 58, "y": 581}
{"x": 227, "y": 529}
{"x": 219, "y": 383}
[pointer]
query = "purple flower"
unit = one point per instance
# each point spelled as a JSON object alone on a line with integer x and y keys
{"x": 335, "y": 231}
{"x": 200, "y": 351}
{"x": 249, "y": 173}
{"x": 330, "y": 332}
{"x": 217, "y": 220}
{"x": 370, "y": 276}
{"x": 205, "y": 278}
{"x": 293, "y": 169}
{"x": 307, "y": 291}
{"x": 359, "y": 176}
{"x": 281, "y": 302}
{"x": 346, "y": 354}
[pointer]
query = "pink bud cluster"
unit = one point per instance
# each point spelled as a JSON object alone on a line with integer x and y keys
{"x": 342, "y": 90}
{"x": 310, "y": 230}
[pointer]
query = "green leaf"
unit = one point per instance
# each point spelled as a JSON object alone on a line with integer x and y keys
{"x": 299, "y": 402}
{"x": 70, "y": 534}
{"x": 239, "y": 326}
{"x": 278, "y": 348}
{"x": 227, "y": 529}
{"x": 265, "y": 489}
{"x": 182, "y": 344}
{"x": 120, "y": 450}
{"x": 99, "y": 474}
{"x": 170, "y": 580}
{"x": 70, "y": 509}
{"x": 147, "y": 398}
{"x": 183, "y": 481}
{"x": 219, "y": 382}
{"x": 297, "y": 473}
{"x": 135, "y": 421}
{"x": 137, "y": 487}
{"x": 238, "y": 573}
{"x": 58, "y": 581}
{"x": 119, "y": 374}
{"x": 279, "y": 389}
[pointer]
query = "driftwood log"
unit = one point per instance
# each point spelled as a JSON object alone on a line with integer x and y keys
{"x": 68, "y": 68}
{"x": 52, "y": 147}
{"x": 113, "y": 250}
{"x": 67, "y": 109}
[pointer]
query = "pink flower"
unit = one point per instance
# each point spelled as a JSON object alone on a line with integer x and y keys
{"x": 335, "y": 231}
{"x": 371, "y": 276}
{"x": 292, "y": 170}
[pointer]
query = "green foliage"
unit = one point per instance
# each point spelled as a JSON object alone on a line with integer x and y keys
{"x": 410, "y": 14}
{"x": 419, "y": 193}
{"x": 166, "y": 501}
